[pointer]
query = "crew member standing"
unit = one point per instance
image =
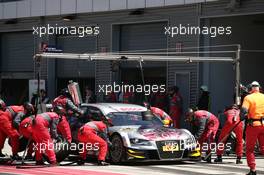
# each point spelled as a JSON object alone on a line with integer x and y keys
{"x": 128, "y": 97}
{"x": 204, "y": 100}
{"x": 6, "y": 130}
{"x": 205, "y": 126}
{"x": 160, "y": 100}
{"x": 253, "y": 109}
{"x": 175, "y": 106}
{"x": 88, "y": 134}
{"x": 110, "y": 97}
{"x": 232, "y": 119}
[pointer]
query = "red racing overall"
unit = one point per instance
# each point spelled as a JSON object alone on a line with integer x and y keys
{"x": 67, "y": 104}
{"x": 232, "y": 118}
{"x": 128, "y": 97}
{"x": 110, "y": 97}
{"x": 25, "y": 129}
{"x": 87, "y": 134}
{"x": 160, "y": 100}
{"x": 207, "y": 125}
{"x": 16, "y": 113}
{"x": 176, "y": 109}
{"x": 15, "y": 109}
{"x": 64, "y": 129}
{"x": 7, "y": 130}
{"x": 42, "y": 137}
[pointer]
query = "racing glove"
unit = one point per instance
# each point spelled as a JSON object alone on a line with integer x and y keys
{"x": 58, "y": 139}
{"x": 243, "y": 113}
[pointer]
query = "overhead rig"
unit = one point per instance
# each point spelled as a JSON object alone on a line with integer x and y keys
{"x": 168, "y": 54}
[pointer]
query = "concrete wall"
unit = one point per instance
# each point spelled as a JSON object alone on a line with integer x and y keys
{"x": 31, "y": 8}
{"x": 175, "y": 15}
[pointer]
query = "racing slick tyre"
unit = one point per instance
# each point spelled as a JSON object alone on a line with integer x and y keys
{"x": 62, "y": 150}
{"x": 23, "y": 142}
{"x": 117, "y": 150}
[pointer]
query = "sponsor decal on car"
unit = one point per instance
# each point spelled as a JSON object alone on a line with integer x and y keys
{"x": 130, "y": 109}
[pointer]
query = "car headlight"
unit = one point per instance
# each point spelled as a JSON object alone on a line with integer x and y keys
{"x": 189, "y": 141}
{"x": 136, "y": 141}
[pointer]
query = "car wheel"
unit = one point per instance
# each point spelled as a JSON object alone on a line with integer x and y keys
{"x": 117, "y": 149}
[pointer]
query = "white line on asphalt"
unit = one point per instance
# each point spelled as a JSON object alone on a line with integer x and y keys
{"x": 196, "y": 169}
{"x": 129, "y": 170}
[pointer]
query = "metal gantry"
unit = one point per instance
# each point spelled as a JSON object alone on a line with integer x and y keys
{"x": 159, "y": 55}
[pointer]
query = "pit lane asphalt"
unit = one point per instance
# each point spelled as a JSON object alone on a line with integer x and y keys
{"x": 147, "y": 168}
{"x": 137, "y": 168}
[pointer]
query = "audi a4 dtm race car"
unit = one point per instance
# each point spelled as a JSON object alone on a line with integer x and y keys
{"x": 135, "y": 138}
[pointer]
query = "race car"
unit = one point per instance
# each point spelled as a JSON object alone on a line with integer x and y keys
{"x": 134, "y": 137}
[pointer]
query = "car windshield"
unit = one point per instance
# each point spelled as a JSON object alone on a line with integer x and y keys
{"x": 133, "y": 118}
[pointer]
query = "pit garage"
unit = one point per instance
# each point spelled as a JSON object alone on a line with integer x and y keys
{"x": 247, "y": 30}
{"x": 81, "y": 71}
{"x": 142, "y": 36}
{"x": 17, "y": 65}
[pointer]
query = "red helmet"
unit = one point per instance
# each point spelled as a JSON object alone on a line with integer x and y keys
{"x": 2, "y": 105}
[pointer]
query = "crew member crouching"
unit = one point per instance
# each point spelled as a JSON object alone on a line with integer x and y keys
{"x": 205, "y": 126}
{"x": 89, "y": 134}
{"x": 44, "y": 128}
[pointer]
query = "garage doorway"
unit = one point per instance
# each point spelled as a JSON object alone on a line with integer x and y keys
{"x": 182, "y": 80}
{"x": 14, "y": 91}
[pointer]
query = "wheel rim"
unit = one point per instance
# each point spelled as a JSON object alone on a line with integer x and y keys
{"x": 117, "y": 149}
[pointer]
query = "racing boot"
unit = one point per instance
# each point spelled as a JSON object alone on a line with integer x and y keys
{"x": 54, "y": 163}
{"x": 29, "y": 157}
{"x": 16, "y": 157}
{"x": 102, "y": 163}
{"x": 239, "y": 161}
{"x": 81, "y": 162}
{"x": 209, "y": 159}
{"x": 251, "y": 173}
{"x": 1, "y": 154}
{"x": 218, "y": 159}
{"x": 40, "y": 162}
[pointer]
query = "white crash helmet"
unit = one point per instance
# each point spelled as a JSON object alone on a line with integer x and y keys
{"x": 255, "y": 83}
{"x": 204, "y": 88}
